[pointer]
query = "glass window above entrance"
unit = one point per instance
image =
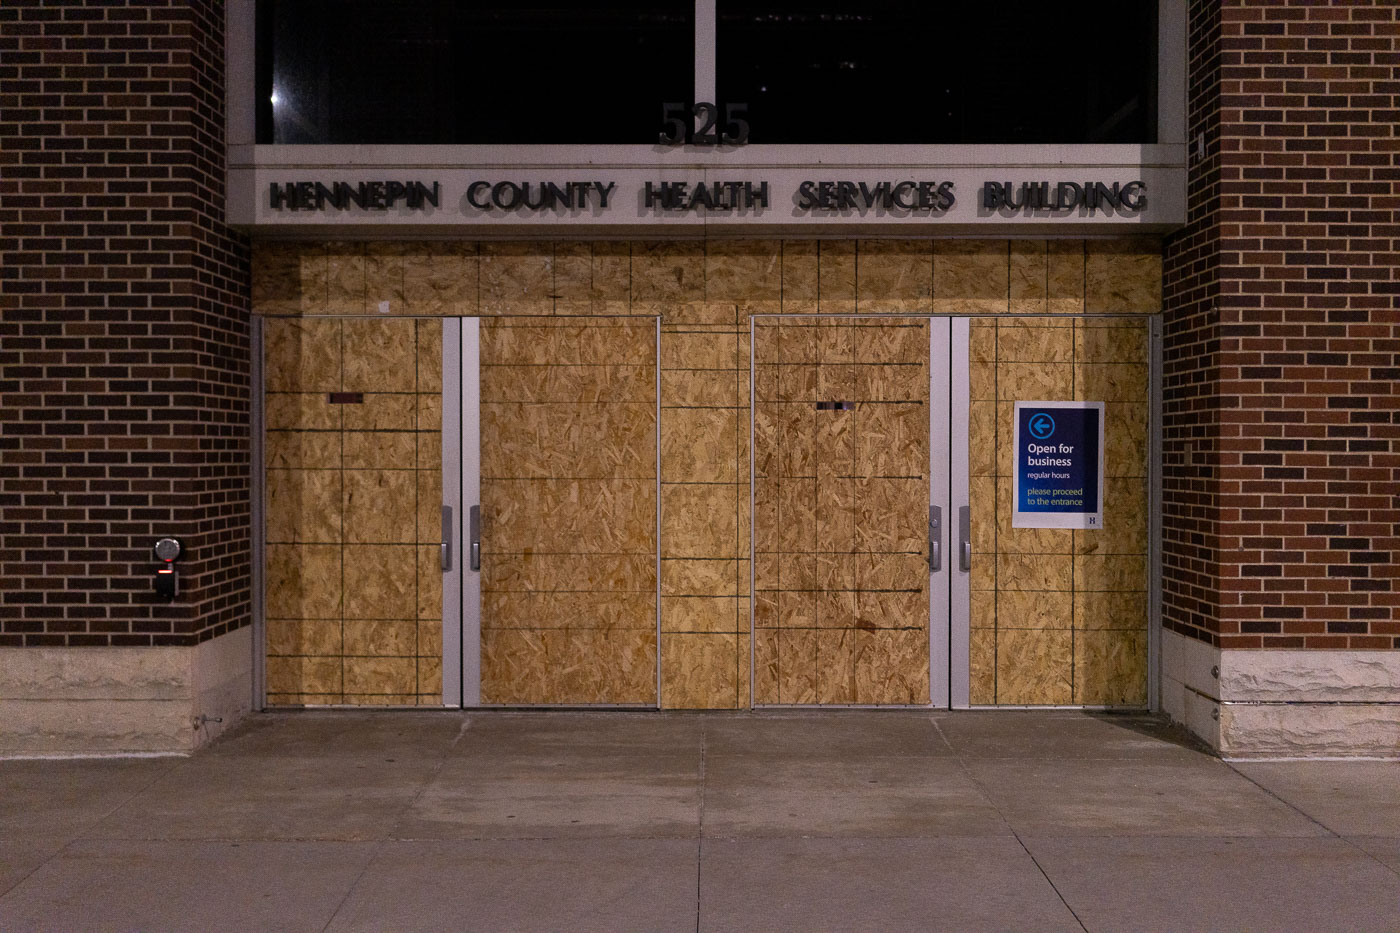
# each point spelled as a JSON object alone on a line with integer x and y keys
{"x": 885, "y": 71}
{"x": 444, "y": 71}
{"x": 634, "y": 72}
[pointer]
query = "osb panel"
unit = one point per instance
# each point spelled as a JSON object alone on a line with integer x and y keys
{"x": 1035, "y": 341}
{"x": 303, "y": 450}
{"x": 387, "y": 678}
{"x": 668, "y": 271}
{"x": 1123, "y": 276}
{"x": 841, "y": 613}
{"x": 303, "y": 675}
{"x": 385, "y": 580}
{"x": 382, "y": 412}
{"x": 354, "y": 478}
{"x": 712, "y": 288}
{"x": 1065, "y": 261}
{"x": 743, "y": 270}
{"x": 1034, "y": 667}
{"x": 704, "y": 614}
{"x": 440, "y": 278}
{"x": 364, "y": 515}
{"x": 310, "y": 411}
{"x": 303, "y": 581}
{"x": 1034, "y": 609}
{"x": 1110, "y": 341}
{"x": 373, "y": 450}
{"x": 1035, "y": 381}
{"x": 602, "y": 440}
{"x": 567, "y": 342}
{"x": 971, "y": 276}
{"x": 894, "y": 276}
{"x": 1099, "y": 609}
{"x": 568, "y": 494}
{"x": 288, "y": 278}
{"x": 703, "y": 389}
{"x": 592, "y": 278}
{"x": 698, "y": 445}
{"x": 891, "y": 342}
{"x": 566, "y": 666}
{"x": 1037, "y": 589}
{"x": 346, "y": 282}
{"x": 305, "y": 637}
{"x": 982, "y": 659}
{"x": 604, "y": 573}
{"x": 712, "y": 577}
{"x": 890, "y": 438}
{"x": 800, "y": 275}
{"x": 569, "y": 384}
{"x": 302, "y": 355}
{"x": 1111, "y": 572}
{"x": 619, "y": 613}
{"x": 712, "y": 282}
{"x": 384, "y": 277}
{"x": 701, "y": 349}
{"x": 373, "y": 638}
{"x": 872, "y": 667}
{"x": 516, "y": 278}
{"x": 705, "y": 671}
{"x": 786, "y": 669}
{"x": 574, "y": 515}
{"x": 1110, "y": 668}
{"x": 303, "y": 506}
{"x": 699, "y": 520}
{"x": 836, "y": 277}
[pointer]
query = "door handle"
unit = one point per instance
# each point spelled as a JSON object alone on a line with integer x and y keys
{"x": 965, "y": 537}
{"x": 446, "y": 555}
{"x": 474, "y": 523}
{"x": 935, "y": 538}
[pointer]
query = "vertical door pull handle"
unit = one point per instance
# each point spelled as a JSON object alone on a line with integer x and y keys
{"x": 446, "y": 538}
{"x": 935, "y": 538}
{"x": 474, "y": 520}
{"x": 965, "y": 537}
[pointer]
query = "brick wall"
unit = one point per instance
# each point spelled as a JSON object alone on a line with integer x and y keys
{"x": 124, "y": 339}
{"x": 1282, "y": 337}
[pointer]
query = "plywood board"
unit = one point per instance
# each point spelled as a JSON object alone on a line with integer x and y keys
{"x": 569, "y": 503}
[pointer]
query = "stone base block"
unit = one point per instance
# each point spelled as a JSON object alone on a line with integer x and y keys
{"x": 1310, "y": 730}
{"x": 83, "y": 701}
{"x": 1284, "y": 704}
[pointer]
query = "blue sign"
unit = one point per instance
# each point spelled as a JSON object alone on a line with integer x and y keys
{"x": 1058, "y": 475}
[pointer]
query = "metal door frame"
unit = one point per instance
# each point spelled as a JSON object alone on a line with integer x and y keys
{"x": 949, "y": 591}
{"x": 461, "y": 487}
{"x": 461, "y": 491}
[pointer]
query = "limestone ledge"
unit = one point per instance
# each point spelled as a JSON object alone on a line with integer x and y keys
{"x": 94, "y": 673}
{"x": 1311, "y": 676}
{"x": 96, "y": 726}
{"x": 57, "y": 701}
{"x": 1363, "y": 730}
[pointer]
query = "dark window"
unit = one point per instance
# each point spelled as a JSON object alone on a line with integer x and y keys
{"x": 1004, "y": 71}
{"x": 452, "y": 71}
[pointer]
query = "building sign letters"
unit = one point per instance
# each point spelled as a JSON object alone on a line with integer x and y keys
{"x": 818, "y": 198}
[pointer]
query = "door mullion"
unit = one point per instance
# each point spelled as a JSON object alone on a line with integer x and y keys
{"x": 959, "y": 576}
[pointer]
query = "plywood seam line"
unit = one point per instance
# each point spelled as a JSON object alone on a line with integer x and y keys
{"x": 1073, "y": 533}
{"x": 340, "y": 334}
{"x": 996, "y": 511}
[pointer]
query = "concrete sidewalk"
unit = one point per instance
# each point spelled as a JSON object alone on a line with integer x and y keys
{"x": 803, "y": 821}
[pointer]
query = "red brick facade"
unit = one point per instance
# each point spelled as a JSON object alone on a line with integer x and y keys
{"x": 124, "y": 395}
{"x": 1281, "y": 467}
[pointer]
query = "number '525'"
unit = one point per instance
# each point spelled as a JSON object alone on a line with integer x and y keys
{"x": 675, "y": 127}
